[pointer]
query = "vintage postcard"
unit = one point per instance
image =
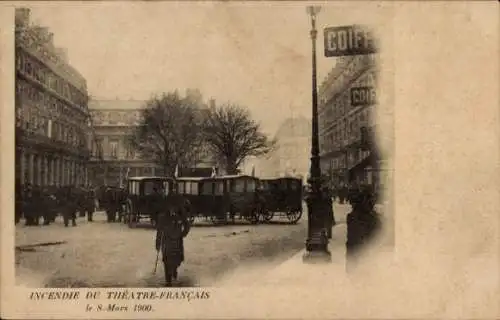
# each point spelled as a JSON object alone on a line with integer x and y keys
{"x": 248, "y": 160}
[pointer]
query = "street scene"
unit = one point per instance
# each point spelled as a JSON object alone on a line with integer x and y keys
{"x": 141, "y": 164}
{"x": 101, "y": 254}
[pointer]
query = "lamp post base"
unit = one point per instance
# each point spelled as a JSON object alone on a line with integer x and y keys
{"x": 317, "y": 241}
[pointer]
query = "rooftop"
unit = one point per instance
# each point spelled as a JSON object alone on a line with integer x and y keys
{"x": 116, "y": 104}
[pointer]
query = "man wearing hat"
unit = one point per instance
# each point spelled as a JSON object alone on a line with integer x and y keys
{"x": 172, "y": 226}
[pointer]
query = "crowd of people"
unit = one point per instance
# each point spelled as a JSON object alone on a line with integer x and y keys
{"x": 34, "y": 203}
{"x": 41, "y": 205}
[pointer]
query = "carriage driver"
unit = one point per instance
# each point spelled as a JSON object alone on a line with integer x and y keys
{"x": 172, "y": 227}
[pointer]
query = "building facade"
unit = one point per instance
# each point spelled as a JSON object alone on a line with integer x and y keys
{"x": 114, "y": 121}
{"x": 291, "y": 156}
{"x": 53, "y": 131}
{"x": 347, "y": 102}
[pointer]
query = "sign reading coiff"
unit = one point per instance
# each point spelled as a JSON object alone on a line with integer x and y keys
{"x": 348, "y": 41}
{"x": 363, "y": 96}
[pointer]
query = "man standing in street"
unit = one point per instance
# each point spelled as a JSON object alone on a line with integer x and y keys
{"x": 172, "y": 226}
{"x": 90, "y": 203}
{"x": 69, "y": 206}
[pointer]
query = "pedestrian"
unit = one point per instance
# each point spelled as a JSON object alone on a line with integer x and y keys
{"x": 69, "y": 207}
{"x": 172, "y": 226}
{"x": 46, "y": 206}
{"x": 18, "y": 203}
{"x": 363, "y": 224}
{"x": 31, "y": 206}
{"x": 330, "y": 217}
{"x": 90, "y": 204}
{"x": 110, "y": 204}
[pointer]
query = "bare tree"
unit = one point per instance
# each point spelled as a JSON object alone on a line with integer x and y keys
{"x": 233, "y": 136}
{"x": 169, "y": 132}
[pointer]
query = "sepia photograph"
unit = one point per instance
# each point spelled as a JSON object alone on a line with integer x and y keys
{"x": 176, "y": 152}
{"x": 249, "y": 159}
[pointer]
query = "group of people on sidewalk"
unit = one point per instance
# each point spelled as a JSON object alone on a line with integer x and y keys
{"x": 34, "y": 202}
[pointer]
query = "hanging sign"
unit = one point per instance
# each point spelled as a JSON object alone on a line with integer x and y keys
{"x": 348, "y": 41}
{"x": 363, "y": 96}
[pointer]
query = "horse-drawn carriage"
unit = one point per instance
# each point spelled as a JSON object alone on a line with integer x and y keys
{"x": 223, "y": 198}
{"x": 281, "y": 197}
{"x": 147, "y": 196}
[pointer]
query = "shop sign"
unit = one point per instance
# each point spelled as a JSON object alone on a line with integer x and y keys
{"x": 348, "y": 41}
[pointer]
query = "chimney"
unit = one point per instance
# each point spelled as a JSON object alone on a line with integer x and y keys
{"x": 62, "y": 53}
{"x": 22, "y": 17}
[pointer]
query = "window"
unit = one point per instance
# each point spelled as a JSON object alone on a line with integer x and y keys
{"x": 134, "y": 187}
{"x": 194, "y": 188}
{"x": 166, "y": 188}
{"x": 238, "y": 186}
{"x": 219, "y": 188}
{"x": 130, "y": 151}
{"x": 250, "y": 185}
{"x": 181, "y": 187}
{"x": 113, "y": 147}
{"x": 207, "y": 188}
{"x": 150, "y": 186}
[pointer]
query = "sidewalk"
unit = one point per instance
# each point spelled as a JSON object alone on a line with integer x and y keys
{"x": 294, "y": 271}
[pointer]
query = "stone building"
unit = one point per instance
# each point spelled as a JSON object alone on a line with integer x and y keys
{"x": 291, "y": 156}
{"x": 53, "y": 131}
{"x": 346, "y": 109}
{"x": 114, "y": 121}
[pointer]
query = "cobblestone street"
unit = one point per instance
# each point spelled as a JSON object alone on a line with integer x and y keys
{"x": 101, "y": 254}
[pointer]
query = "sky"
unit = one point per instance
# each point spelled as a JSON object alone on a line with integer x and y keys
{"x": 255, "y": 54}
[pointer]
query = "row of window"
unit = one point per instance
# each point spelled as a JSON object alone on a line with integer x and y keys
{"x": 116, "y": 118}
{"x": 215, "y": 187}
{"x": 27, "y": 38}
{"x": 345, "y": 130}
{"x": 352, "y": 159}
{"x": 46, "y": 101}
{"x": 114, "y": 150}
{"x": 39, "y": 72}
{"x": 33, "y": 120}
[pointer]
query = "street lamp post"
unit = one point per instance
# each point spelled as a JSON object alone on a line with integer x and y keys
{"x": 317, "y": 204}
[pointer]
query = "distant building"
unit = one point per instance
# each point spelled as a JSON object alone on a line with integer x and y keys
{"x": 346, "y": 125}
{"x": 291, "y": 156}
{"x": 114, "y": 122}
{"x": 54, "y": 135}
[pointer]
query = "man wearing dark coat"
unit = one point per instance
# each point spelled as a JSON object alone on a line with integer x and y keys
{"x": 90, "y": 203}
{"x": 69, "y": 206}
{"x": 31, "y": 206}
{"x": 330, "y": 218}
{"x": 172, "y": 226}
{"x": 363, "y": 224}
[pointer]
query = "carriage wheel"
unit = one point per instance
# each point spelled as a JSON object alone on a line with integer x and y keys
{"x": 213, "y": 219}
{"x": 253, "y": 217}
{"x": 266, "y": 215}
{"x": 294, "y": 216}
